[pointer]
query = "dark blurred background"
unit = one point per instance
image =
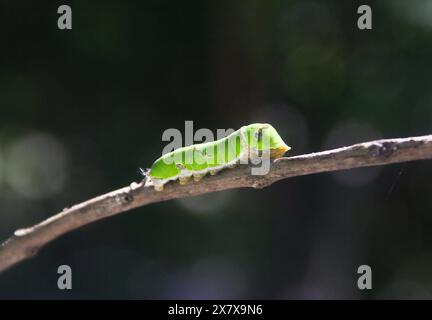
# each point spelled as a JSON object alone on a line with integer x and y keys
{"x": 82, "y": 110}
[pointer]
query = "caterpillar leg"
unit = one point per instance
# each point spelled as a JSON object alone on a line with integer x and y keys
{"x": 184, "y": 180}
{"x": 232, "y": 165}
{"x": 198, "y": 177}
{"x": 159, "y": 187}
{"x": 213, "y": 172}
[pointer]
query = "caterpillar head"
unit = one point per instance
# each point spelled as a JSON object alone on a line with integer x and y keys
{"x": 263, "y": 137}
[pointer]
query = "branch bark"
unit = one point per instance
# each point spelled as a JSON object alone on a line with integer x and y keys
{"x": 25, "y": 243}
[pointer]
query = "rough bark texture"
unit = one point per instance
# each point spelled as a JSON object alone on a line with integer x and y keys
{"x": 25, "y": 243}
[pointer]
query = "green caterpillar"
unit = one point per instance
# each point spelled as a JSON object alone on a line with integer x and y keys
{"x": 249, "y": 143}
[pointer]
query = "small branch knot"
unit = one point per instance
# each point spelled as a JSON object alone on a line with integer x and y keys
{"x": 123, "y": 198}
{"x": 385, "y": 149}
{"x": 31, "y": 251}
{"x": 258, "y": 183}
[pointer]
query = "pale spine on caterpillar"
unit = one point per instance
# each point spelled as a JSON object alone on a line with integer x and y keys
{"x": 248, "y": 143}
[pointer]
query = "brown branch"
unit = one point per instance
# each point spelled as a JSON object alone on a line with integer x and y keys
{"x": 26, "y": 242}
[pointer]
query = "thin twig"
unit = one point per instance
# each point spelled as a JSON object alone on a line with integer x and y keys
{"x": 25, "y": 243}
